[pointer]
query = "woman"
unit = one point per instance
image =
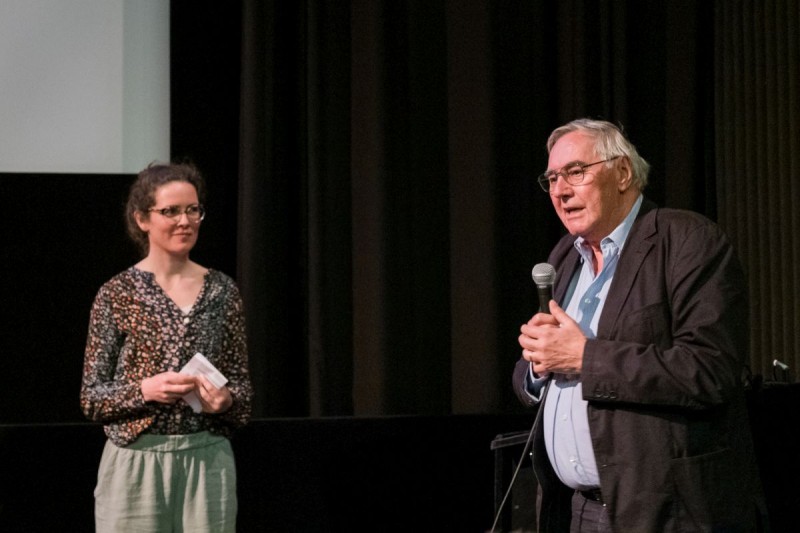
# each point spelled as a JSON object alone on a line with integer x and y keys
{"x": 166, "y": 467}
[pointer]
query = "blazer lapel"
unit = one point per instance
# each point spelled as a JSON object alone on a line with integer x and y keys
{"x": 637, "y": 247}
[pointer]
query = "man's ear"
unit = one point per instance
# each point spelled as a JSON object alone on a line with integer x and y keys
{"x": 625, "y": 178}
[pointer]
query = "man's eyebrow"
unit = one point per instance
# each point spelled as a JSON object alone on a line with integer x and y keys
{"x": 567, "y": 165}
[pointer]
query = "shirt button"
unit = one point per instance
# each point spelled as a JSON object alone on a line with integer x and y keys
{"x": 564, "y": 417}
{"x": 186, "y": 320}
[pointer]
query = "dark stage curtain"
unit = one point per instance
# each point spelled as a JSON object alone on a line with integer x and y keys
{"x": 757, "y": 115}
{"x": 388, "y": 213}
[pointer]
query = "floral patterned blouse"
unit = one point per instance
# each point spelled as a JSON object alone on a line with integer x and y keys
{"x": 137, "y": 331}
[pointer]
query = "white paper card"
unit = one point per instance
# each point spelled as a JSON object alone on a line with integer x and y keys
{"x": 200, "y": 366}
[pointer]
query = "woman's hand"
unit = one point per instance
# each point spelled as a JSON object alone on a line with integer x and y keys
{"x": 213, "y": 400}
{"x": 167, "y": 387}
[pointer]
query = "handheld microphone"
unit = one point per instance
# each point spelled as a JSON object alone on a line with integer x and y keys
{"x": 544, "y": 276}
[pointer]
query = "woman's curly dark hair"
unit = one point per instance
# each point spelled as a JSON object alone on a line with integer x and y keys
{"x": 141, "y": 196}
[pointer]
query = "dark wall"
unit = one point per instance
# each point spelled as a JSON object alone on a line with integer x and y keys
{"x": 294, "y": 475}
{"x": 63, "y": 235}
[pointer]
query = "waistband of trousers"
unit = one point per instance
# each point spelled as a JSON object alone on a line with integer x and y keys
{"x": 175, "y": 443}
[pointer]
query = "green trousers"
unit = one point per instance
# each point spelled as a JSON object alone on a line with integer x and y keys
{"x": 167, "y": 484}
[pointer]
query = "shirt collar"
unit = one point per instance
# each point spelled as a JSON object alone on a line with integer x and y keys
{"x": 616, "y": 239}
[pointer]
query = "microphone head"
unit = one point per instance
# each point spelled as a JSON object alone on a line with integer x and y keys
{"x": 781, "y": 365}
{"x": 544, "y": 275}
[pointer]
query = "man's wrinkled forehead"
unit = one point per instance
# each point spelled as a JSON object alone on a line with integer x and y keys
{"x": 573, "y": 147}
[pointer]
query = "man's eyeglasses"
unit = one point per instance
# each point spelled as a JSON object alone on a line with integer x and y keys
{"x": 573, "y": 174}
{"x": 195, "y": 213}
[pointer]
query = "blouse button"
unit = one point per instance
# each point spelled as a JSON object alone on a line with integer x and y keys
{"x": 186, "y": 320}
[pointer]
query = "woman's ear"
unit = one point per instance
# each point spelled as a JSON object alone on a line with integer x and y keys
{"x": 141, "y": 221}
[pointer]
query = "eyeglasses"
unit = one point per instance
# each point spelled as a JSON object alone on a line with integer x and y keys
{"x": 195, "y": 213}
{"x": 573, "y": 174}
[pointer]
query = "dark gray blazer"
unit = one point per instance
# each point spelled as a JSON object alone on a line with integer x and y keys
{"x": 666, "y": 411}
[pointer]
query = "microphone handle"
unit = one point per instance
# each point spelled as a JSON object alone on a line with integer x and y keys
{"x": 545, "y": 293}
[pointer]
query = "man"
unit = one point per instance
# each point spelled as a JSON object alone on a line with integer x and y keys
{"x": 642, "y": 424}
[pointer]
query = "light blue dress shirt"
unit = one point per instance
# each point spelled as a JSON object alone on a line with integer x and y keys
{"x": 566, "y": 424}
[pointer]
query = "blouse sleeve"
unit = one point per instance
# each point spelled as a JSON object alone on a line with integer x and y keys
{"x": 234, "y": 348}
{"x": 104, "y": 396}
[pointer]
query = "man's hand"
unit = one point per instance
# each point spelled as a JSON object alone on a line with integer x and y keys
{"x": 553, "y": 343}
